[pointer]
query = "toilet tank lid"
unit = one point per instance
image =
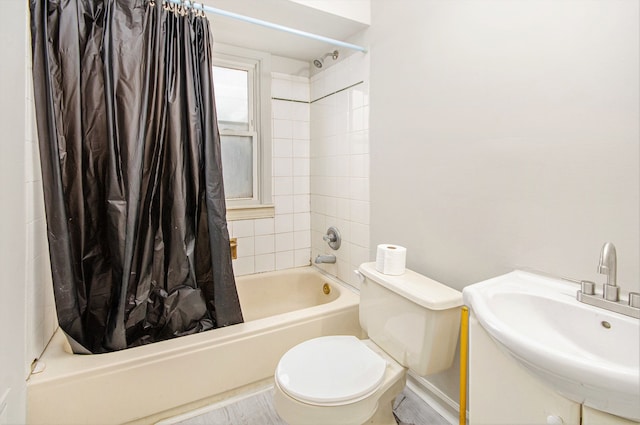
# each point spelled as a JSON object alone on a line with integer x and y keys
{"x": 420, "y": 289}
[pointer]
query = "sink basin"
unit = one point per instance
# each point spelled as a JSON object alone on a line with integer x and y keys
{"x": 587, "y": 354}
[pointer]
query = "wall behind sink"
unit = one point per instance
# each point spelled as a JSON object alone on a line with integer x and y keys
{"x": 506, "y": 134}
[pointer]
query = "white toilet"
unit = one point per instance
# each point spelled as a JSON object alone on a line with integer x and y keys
{"x": 412, "y": 323}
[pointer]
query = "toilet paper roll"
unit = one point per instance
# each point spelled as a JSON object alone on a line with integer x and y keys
{"x": 391, "y": 259}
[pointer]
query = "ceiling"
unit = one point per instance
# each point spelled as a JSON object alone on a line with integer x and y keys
{"x": 283, "y": 12}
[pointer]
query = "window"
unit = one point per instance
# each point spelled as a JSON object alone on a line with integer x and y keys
{"x": 238, "y": 137}
{"x": 243, "y": 100}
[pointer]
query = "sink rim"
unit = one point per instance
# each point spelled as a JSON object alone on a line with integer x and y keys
{"x": 626, "y": 366}
{"x": 505, "y": 335}
{"x": 565, "y": 372}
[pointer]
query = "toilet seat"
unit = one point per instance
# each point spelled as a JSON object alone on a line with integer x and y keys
{"x": 330, "y": 371}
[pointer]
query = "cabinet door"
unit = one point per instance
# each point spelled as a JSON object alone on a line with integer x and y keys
{"x": 502, "y": 392}
{"x": 595, "y": 417}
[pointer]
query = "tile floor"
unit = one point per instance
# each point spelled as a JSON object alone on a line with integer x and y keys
{"x": 257, "y": 409}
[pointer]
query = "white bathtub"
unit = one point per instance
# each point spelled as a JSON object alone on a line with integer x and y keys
{"x": 280, "y": 309}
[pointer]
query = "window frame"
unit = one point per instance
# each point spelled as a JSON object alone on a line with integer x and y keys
{"x": 258, "y": 65}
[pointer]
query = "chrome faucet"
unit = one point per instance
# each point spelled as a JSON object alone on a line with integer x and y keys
{"x": 325, "y": 259}
{"x": 610, "y": 298}
{"x": 607, "y": 266}
{"x": 607, "y": 263}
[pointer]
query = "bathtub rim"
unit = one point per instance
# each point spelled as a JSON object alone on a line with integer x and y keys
{"x": 61, "y": 365}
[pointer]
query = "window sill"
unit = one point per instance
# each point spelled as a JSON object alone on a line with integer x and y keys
{"x": 250, "y": 212}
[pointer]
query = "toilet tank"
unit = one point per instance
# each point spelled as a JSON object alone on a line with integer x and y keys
{"x": 414, "y": 319}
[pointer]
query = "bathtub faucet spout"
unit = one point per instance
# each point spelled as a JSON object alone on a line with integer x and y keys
{"x": 325, "y": 259}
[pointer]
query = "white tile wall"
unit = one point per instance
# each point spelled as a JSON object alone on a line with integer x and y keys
{"x": 340, "y": 164}
{"x": 284, "y": 241}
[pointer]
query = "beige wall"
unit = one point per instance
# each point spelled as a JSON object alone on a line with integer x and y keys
{"x": 42, "y": 320}
{"x": 504, "y": 134}
{"x": 13, "y": 366}
{"x": 357, "y": 10}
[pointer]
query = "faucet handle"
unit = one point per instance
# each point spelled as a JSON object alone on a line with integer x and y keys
{"x": 587, "y": 287}
{"x": 333, "y": 237}
{"x": 634, "y": 299}
{"x": 329, "y": 238}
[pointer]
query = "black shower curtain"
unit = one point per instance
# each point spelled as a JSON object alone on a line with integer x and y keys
{"x": 130, "y": 155}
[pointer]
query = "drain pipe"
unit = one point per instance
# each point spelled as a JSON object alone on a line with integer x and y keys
{"x": 464, "y": 352}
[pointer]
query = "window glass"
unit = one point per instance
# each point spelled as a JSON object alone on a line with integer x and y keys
{"x": 237, "y": 168}
{"x": 232, "y": 98}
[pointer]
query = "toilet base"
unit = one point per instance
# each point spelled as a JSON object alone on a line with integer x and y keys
{"x": 384, "y": 414}
{"x": 376, "y": 409}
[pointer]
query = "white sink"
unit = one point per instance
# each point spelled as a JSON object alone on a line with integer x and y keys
{"x": 587, "y": 354}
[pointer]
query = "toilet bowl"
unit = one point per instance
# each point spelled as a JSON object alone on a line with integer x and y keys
{"x": 412, "y": 323}
{"x": 349, "y": 381}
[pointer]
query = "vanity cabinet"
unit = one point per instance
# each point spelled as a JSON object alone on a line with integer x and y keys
{"x": 502, "y": 392}
{"x": 595, "y": 417}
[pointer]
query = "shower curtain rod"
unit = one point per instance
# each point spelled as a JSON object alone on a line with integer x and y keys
{"x": 215, "y": 11}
